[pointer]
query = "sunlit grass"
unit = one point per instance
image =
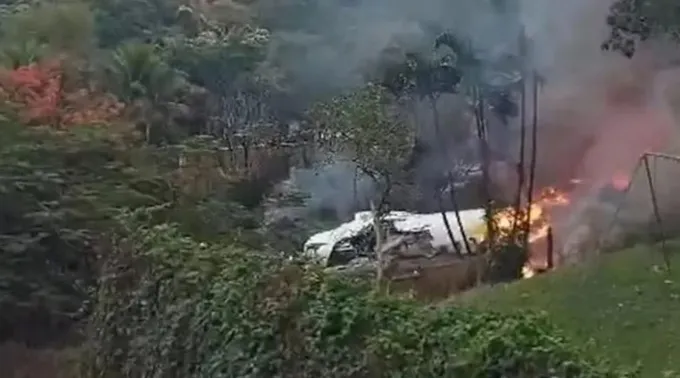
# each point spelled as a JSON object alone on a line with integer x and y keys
{"x": 624, "y": 306}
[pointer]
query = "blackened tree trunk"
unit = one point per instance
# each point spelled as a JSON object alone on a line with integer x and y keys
{"x": 444, "y": 153}
{"x": 522, "y": 157}
{"x": 480, "y": 119}
{"x": 532, "y": 162}
{"x": 456, "y": 210}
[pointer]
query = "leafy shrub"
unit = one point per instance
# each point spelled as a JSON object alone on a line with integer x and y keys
{"x": 59, "y": 192}
{"x": 506, "y": 261}
{"x": 55, "y": 192}
{"x": 170, "y": 306}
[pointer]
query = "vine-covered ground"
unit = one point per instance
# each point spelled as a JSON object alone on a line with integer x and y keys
{"x": 624, "y": 306}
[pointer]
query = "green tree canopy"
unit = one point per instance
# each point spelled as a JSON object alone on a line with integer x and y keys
{"x": 635, "y": 21}
{"x": 366, "y": 127}
{"x": 59, "y": 28}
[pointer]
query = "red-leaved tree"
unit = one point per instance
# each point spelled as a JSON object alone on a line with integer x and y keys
{"x": 39, "y": 96}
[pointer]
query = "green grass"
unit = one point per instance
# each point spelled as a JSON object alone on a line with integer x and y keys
{"x": 624, "y": 307}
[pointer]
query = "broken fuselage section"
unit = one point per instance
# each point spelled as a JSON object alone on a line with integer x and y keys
{"x": 426, "y": 234}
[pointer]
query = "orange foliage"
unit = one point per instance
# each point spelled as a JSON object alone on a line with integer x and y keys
{"x": 38, "y": 94}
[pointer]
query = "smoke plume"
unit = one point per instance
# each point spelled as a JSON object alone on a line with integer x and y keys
{"x": 598, "y": 111}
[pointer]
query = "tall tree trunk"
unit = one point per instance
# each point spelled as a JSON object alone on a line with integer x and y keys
{"x": 355, "y": 199}
{"x": 444, "y": 153}
{"x": 230, "y": 145}
{"x": 532, "y": 163}
{"x": 147, "y": 131}
{"x": 522, "y": 156}
{"x": 447, "y": 225}
{"x": 486, "y": 162}
{"x": 377, "y": 228}
{"x": 245, "y": 145}
{"x": 387, "y": 188}
{"x": 456, "y": 210}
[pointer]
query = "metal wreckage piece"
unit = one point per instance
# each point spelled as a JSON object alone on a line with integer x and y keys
{"x": 417, "y": 243}
{"x": 351, "y": 246}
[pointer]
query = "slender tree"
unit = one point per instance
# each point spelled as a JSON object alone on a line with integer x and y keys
{"x": 470, "y": 70}
{"x": 418, "y": 78}
{"x": 365, "y": 127}
{"x": 495, "y": 96}
{"x": 482, "y": 137}
{"x": 534, "y": 152}
{"x": 521, "y": 169}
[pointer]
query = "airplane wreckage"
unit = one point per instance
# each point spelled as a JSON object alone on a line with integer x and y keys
{"x": 412, "y": 235}
{"x": 408, "y": 235}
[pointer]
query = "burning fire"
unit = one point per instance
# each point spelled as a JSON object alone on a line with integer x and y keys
{"x": 538, "y": 216}
{"x": 538, "y": 219}
{"x": 528, "y": 271}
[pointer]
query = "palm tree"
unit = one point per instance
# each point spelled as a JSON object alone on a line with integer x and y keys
{"x": 143, "y": 80}
{"x": 419, "y": 78}
{"x": 455, "y": 67}
{"x": 490, "y": 86}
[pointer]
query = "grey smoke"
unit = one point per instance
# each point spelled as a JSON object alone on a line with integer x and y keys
{"x": 332, "y": 187}
{"x": 334, "y": 45}
{"x": 337, "y": 42}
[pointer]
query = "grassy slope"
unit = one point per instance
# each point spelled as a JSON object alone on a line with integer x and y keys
{"x": 624, "y": 306}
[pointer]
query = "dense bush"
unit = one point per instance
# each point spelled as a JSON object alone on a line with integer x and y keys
{"x": 506, "y": 261}
{"x": 55, "y": 192}
{"x": 59, "y": 193}
{"x": 169, "y": 306}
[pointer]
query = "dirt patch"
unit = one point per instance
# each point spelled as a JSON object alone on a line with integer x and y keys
{"x": 435, "y": 278}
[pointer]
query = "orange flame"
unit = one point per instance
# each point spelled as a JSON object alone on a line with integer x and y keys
{"x": 538, "y": 218}
{"x": 539, "y": 213}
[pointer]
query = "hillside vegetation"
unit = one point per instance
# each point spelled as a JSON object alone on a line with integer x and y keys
{"x": 623, "y": 306}
{"x": 205, "y": 310}
{"x": 140, "y": 274}
{"x": 145, "y": 152}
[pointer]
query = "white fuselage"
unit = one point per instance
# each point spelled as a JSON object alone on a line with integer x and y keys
{"x": 320, "y": 246}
